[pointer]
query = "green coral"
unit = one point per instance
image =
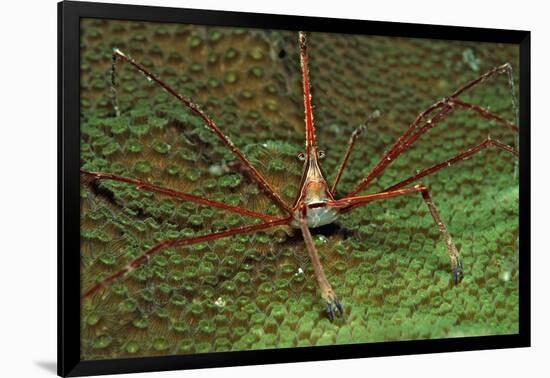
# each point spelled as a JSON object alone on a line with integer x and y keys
{"x": 386, "y": 261}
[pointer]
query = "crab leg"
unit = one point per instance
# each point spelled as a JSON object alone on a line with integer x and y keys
{"x": 181, "y": 242}
{"x": 349, "y": 203}
{"x": 444, "y": 107}
{"x": 260, "y": 180}
{"x": 354, "y": 135}
{"x": 333, "y": 305}
{"x": 460, "y": 157}
{"x": 173, "y": 193}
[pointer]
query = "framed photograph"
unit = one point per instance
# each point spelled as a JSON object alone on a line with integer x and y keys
{"x": 240, "y": 188}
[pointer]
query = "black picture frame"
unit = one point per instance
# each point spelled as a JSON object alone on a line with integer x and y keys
{"x": 69, "y": 14}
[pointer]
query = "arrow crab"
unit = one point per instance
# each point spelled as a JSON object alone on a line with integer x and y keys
{"x": 317, "y": 201}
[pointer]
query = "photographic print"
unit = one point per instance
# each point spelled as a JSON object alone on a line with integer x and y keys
{"x": 250, "y": 189}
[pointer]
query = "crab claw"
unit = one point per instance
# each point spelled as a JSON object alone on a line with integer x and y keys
{"x": 334, "y": 307}
{"x": 457, "y": 273}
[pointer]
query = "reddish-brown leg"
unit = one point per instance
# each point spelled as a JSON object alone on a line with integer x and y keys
{"x": 347, "y": 204}
{"x": 506, "y": 68}
{"x": 458, "y": 158}
{"x": 484, "y": 113}
{"x": 354, "y": 135}
{"x": 421, "y": 124}
{"x": 260, "y": 180}
{"x": 333, "y": 305}
{"x": 181, "y": 242}
{"x": 176, "y": 194}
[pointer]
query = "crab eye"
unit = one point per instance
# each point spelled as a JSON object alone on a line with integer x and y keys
{"x": 321, "y": 154}
{"x": 301, "y": 156}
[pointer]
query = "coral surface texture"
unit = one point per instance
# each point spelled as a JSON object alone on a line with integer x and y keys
{"x": 386, "y": 261}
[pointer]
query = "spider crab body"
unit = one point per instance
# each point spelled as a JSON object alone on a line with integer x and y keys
{"x": 315, "y": 195}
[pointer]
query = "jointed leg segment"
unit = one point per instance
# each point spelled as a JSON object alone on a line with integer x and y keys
{"x": 347, "y": 204}
{"x": 353, "y": 138}
{"x": 256, "y": 176}
{"x": 262, "y": 183}
{"x": 176, "y": 194}
{"x": 333, "y": 305}
{"x": 460, "y": 157}
{"x": 423, "y": 123}
{"x": 181, "y": 242}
